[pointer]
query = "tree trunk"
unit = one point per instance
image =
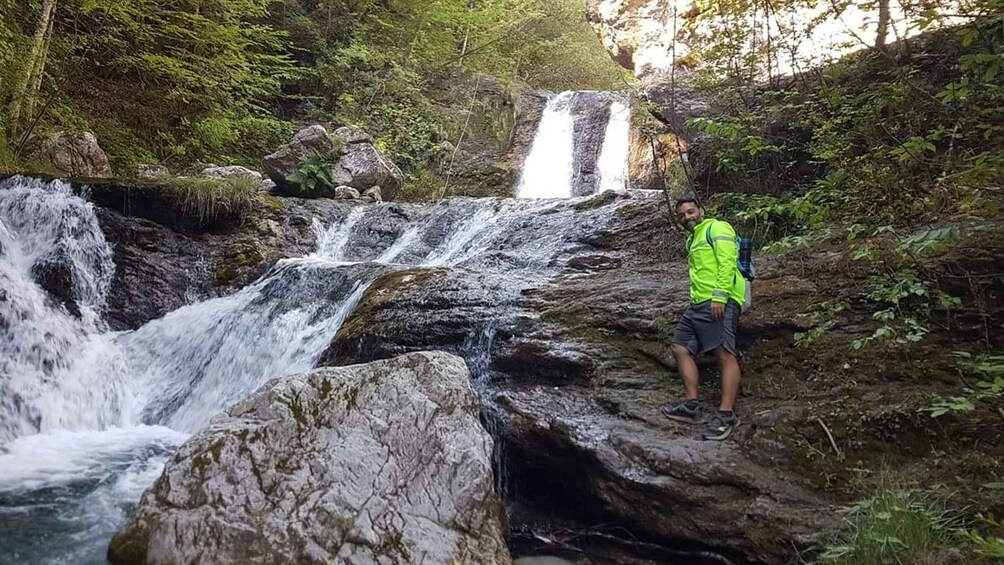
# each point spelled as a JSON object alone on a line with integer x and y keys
{"x": 37, "y": 53}
{"x": 31, "y": 97}
{"x": 882, "y": 30}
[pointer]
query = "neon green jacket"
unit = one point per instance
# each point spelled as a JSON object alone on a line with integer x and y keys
{"x": 714, "y": 272}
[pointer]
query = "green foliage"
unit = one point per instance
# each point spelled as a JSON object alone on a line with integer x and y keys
{"x": 207, "y": 80}
{"x": 895, "y": 526}
{"x": 989, "y": 369}
{"x": 313, "y": 175}
{"x": 986, "y": 545}
{"x": 905, "y": 303}
{"x": 880, "y": 136}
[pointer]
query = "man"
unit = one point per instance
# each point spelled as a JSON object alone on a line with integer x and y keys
{"x": 717, "y": 289}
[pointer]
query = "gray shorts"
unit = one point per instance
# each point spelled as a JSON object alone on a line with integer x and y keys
{"x": 700, "y": 333}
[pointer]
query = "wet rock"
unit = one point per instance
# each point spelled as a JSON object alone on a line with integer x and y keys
{"x": 73, "y": 154}
{"x": 374, "y": 194}
{"x": 55, "y": 276}
{"x": 592, "y": 113}
{"x": 594, "y": 263}
{"x": 345, "y": 193}
{"x": 147, "y": 172}
{"x": 579, "y": 367}
{"x": 378, "y": 463}
{"x": 233, "y": 171}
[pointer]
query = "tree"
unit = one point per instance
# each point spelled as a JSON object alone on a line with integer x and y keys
{"x": 30, "y": 80}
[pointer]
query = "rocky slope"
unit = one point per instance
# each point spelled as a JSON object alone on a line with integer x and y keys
{"x": 577, "y": 369}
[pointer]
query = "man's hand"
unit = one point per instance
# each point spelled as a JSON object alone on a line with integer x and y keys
{"x": 717, "y": 310}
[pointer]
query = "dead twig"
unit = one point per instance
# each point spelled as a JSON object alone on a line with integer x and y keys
{"x": 833, "y": 443}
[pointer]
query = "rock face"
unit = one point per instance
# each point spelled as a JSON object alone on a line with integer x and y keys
{"x": 578, "y": 368}
{"x": 73, "y": 154}
{"x": 485, "y": 161}
{"x": 163, "y": 260}
{"x": 358, "y": 163}
{"x": 378, "y": 463}
{"x": 592, "y": 112}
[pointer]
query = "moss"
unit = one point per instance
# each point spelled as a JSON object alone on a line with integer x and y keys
{"x": 325, "y": 389}
{"x": 238, "y": 259}
{"x": 216, "y": 449}
{"x": 200, "y": 463}
{"x": 597, "y": 201}
{"x": 296, "y": 409}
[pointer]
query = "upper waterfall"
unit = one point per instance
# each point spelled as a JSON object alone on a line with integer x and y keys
{"x": 580, "y": 148}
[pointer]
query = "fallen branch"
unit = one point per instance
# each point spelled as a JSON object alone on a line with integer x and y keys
{"x": 840, "y": 455}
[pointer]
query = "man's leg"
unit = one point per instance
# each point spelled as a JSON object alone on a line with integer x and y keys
{"x": 684, "y": 340}
{"x": 688, "y": 370}
{"x": 731, "y": 374}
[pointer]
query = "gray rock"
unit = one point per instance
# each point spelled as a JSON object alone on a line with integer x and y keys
{"x": 352, "y": 134}
{"x": 144, "y": 171}
{"x": 287, "y": 158}
{"x": 359, "y": 163}
{"x": 73, "y": 153}
{"x": 346, "y": 193}
{"x": 362, "y": 166}
{"x": 232, "y": 171}
{"x": 267, "y": 185}
{"x": 374, "y": 194}
{"x": 379, "y": 463}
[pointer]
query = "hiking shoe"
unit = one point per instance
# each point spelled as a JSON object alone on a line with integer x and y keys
{"x": 720, "y": 427}
{"x": 687, "y": 412}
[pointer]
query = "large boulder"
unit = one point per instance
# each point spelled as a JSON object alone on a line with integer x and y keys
{"x": 286, "y": 159}
{"x": 379, "y": 463}
{"x": 362, "y": 166}
{"x": 355, "y": 161}
{"x": 73, "y": 154}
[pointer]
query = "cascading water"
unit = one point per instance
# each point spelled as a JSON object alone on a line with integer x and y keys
{"x": 580, "y": 147}
{"x": 547, "y": 171}
{"x": 613, "y": 161}
{"x": 88, "y": 417}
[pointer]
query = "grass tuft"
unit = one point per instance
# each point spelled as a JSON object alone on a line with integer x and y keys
{"x": 209, "y": 200}
{"x": 896, "y": 526}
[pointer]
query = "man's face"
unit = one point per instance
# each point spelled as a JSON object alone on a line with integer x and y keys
{"x": 689, "y": 215}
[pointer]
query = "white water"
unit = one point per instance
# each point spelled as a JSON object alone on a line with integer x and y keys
{"x": 547, "y": 171}
{"x": 613, "y": 161}
{"x": 88, "y": 417}
{"x": 550, "y": 167}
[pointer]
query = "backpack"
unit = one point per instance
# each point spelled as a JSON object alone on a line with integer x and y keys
{"x": 744, "y": 263}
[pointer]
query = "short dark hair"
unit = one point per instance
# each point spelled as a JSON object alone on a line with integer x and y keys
{"x": 687, "y": 200}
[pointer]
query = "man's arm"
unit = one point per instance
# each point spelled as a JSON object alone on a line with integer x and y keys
{"x": 727, "y": 253}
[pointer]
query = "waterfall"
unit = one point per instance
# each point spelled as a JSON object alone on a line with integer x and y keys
{"x": 547, "y": 171}
{"x": 613, "y": 160}
{"x": 580, "y": 147}
{"x": 88, "y": 417}
{"x": 45, "y": 348}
